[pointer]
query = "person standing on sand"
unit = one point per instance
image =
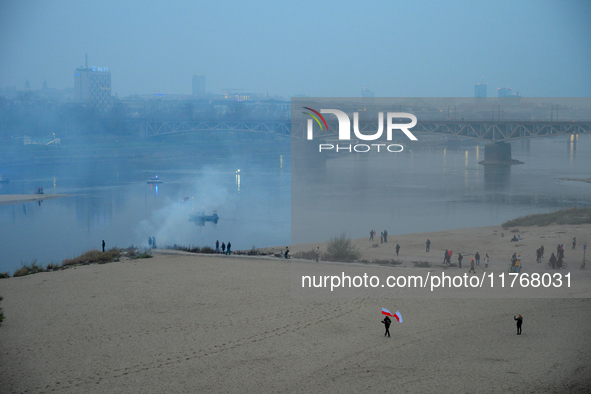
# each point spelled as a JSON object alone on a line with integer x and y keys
{"x": 229, "y": 246}
{"x": 317, "y": 253}
{"x": 428, "y": 245}
{"x": 382, "y": 237}
{"x": 386, "y": 236}
{"x": 460, "y": 258}
{"x": 472, "y": 266}
{"x": 486, "y": 260}
{"x": 217, "y": 246}
{"x": 397, "y": 249}
{"x": 574, "y": 243}
{"x": 223, "y": 248}
{"x": 553, "y": 260}
{"x": 519, "y": 323}
{"x": 103, "y": 245}
{"x": 477, "y": 258}
{"x": 445, "y": 256}
{"x": 371, "y": 235}
{"x": 387, "y": 322}
{"x": 150, "y": 242}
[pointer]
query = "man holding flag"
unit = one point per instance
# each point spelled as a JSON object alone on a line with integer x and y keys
{"x": 387, "y": 320}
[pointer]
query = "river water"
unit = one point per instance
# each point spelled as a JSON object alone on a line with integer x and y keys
{"x": 111, "y": 201}
{"x": 433, "y": 188}
{"x": 421, "y": 189}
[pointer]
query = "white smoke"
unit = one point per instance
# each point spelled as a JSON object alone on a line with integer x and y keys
{"x": 170, "y": 225}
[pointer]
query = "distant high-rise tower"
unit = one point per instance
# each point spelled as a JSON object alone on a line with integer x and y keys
{"x": 507, "y": 95}
{"x": 480, "y": 90}
{"x": 198, "y": 85}
{"x": 93, "y": 85}
{"x": 504, "y": 92}
{"x": 365, "y": 92}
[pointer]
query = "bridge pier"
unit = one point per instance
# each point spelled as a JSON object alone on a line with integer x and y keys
{"x": 498, "y": 153}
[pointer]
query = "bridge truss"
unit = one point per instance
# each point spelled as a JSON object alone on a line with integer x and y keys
{"x": 483, "y": 130}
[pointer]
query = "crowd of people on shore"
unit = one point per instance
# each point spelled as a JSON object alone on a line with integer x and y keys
{"x": 383, "y": 236}
{"x": 474, "y": 262}
{"x": 556, "y": 260}
{"x": 226, "y": 249}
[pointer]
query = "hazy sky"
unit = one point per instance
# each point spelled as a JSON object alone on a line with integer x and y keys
{"x": 318, "y": 48}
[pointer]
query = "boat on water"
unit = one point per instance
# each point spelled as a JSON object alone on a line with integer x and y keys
{"x": 154, "y": 180}
{"x": 202, "y": 217}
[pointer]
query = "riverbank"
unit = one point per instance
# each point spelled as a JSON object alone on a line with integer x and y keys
{"x": 21, "y": 198}
{"x": 493, "y": 240}
{"x": 214, "y": 323}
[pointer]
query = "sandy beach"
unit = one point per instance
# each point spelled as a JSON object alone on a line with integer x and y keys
{"x": 181, "y": 322}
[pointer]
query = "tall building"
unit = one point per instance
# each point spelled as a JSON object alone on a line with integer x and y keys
{"x": 480, "y": 90}
{"x": 507, "y": 95}
{"x": 93, "y": 85}
{"x": 504, "y": 92}
{"x": 198, "y": 85}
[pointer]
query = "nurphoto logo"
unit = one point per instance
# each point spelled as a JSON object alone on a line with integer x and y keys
{"x": 344, "y": 130}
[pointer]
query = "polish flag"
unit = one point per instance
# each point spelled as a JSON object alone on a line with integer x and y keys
{"x": 397, "y": 315}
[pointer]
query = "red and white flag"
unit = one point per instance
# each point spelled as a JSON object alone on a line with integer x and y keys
{"x": 397, "y": 315}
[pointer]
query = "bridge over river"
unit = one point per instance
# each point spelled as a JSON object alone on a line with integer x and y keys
{"x": 483, "y": 130}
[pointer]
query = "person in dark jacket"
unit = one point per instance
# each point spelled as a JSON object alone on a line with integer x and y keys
{"x": 387, "y": 322}
{"x": 460, "y": 258}
{"x": 519, "y": 323}
{"x": 553, "y": 260}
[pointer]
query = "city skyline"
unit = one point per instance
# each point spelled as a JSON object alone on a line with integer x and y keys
{"x": 540, "y": 49}
{"x": 198, "y": 87}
